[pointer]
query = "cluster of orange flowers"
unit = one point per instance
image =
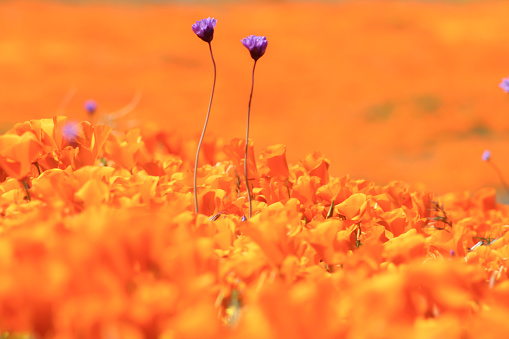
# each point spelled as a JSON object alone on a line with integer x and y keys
{"x": 99, "y": 240}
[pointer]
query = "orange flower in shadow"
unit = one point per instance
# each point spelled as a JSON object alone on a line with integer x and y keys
{"x": 274, "y": 230}
{"x": 211, "y": 201}
{"x": 317, "y": 166}
{"x": 405, "y": 248}
{"x": 354, "y": 207}
{"x": 64, "y": 142}
{"x": 47, "y": 131}
{"x": 57, "y": 188}
{"x": 124, "y": 151}
{"x": 335, "y": 190}
{"x": 401, "y": 220}
{"x": 305, "y": 188}
{"x": 274, "y": 160}
{"x": 18, "y": 153}
{"x": 331, "y": 240}
{"x": 235, "y": 153}
{"x": 91, "y": 140}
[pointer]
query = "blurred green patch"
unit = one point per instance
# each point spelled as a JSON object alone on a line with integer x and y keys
{"x": 477, "y": 130}
{"x": 380, "y": 112}
{"x": 427, "y": 104}
{"x": 480, "y": 130}
{"x": 4, "y": 128}
{"x": 9, "y": 335}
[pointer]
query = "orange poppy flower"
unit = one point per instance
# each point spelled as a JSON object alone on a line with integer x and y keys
{"x": 331, "y": 240}
{"x": 18, "y": 153}
{"x": 405, "y": 248}
{"x": 274, "y": 158}
{"x": 271, "y": 230}
{"x": 317, "y": 166}
{"x": 304, "y": 189}
{"x": 124, "y": 151}
{"x": 235, "y": 152}
{"x": 353, "y": 207}
{"x": 335, "y": 190}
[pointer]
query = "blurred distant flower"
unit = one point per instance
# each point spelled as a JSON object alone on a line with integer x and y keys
{"x": 204, "y": 29}
{"x": 486, "y": 155}
{"x": 256, "y": 45}
{"x": 505, "y": 85}
{"x": 243, "y": 218}
{"x": 90, "y": 106}
{"x": 70, "y": 131}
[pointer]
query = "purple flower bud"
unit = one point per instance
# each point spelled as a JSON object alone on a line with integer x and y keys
{"x": 505, "y": 85}
{"x": 243, "y": 218}
{"x": 90, "y": 106}
{"x": 256, "y": 45}
{"x": 486, "y": 155}
{"x": 204, "y": 29}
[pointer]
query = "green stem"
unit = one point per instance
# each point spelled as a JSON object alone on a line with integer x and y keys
{"x": 247, "y": 142}
{"x": 499, "y": 173}
{"x": 38, "y": 168}
{"x": 203, "y": 134}
{"x": 358, "y": 236}
{"x": 25, "y": 185}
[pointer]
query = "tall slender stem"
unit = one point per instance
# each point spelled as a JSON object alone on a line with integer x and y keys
{"x": 500, "y": 176}
{"x": 203, "y": 133}
{"x": 247, "y": 142}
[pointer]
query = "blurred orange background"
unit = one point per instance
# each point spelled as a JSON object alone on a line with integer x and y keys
{"x": 387, "y": 90}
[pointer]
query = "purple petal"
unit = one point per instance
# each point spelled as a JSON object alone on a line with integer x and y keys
{"x": 204, "y": 29}
{"x": 256, "y": 45}
{"x": 505, "y": 85}
{"x": 486, "y": 155}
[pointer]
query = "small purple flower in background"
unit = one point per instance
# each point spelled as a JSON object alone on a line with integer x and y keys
{"x": 204, "y": 29}
{"x": 90, "y": 106}
{"x": 70, "y": 132}
{"x": 486, "y": 155}
{"x": 243, "y": 218}
{"x": 505, "y": 85}
{"x": 256, "y": 45}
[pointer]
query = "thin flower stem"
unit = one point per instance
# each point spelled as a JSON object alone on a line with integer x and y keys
{"x": 26, "y": 187}
{"x": 38, "y": 168}
{"x": 203, "y": 133}
{"x": 247, "y": 142}
{"x": 499, "y": 173}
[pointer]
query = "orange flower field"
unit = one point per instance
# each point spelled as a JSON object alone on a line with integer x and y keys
{"x": 384, "y": 223}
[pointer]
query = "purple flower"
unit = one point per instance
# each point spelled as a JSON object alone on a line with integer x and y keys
{"x": 256, "y": 45}
{"x": 486, "y": 155}
{"x": 505, "y": 85}
{"x": 90, "y": 106}
{"x": 204, "y": 29}
{"x": 70, "y": 131}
